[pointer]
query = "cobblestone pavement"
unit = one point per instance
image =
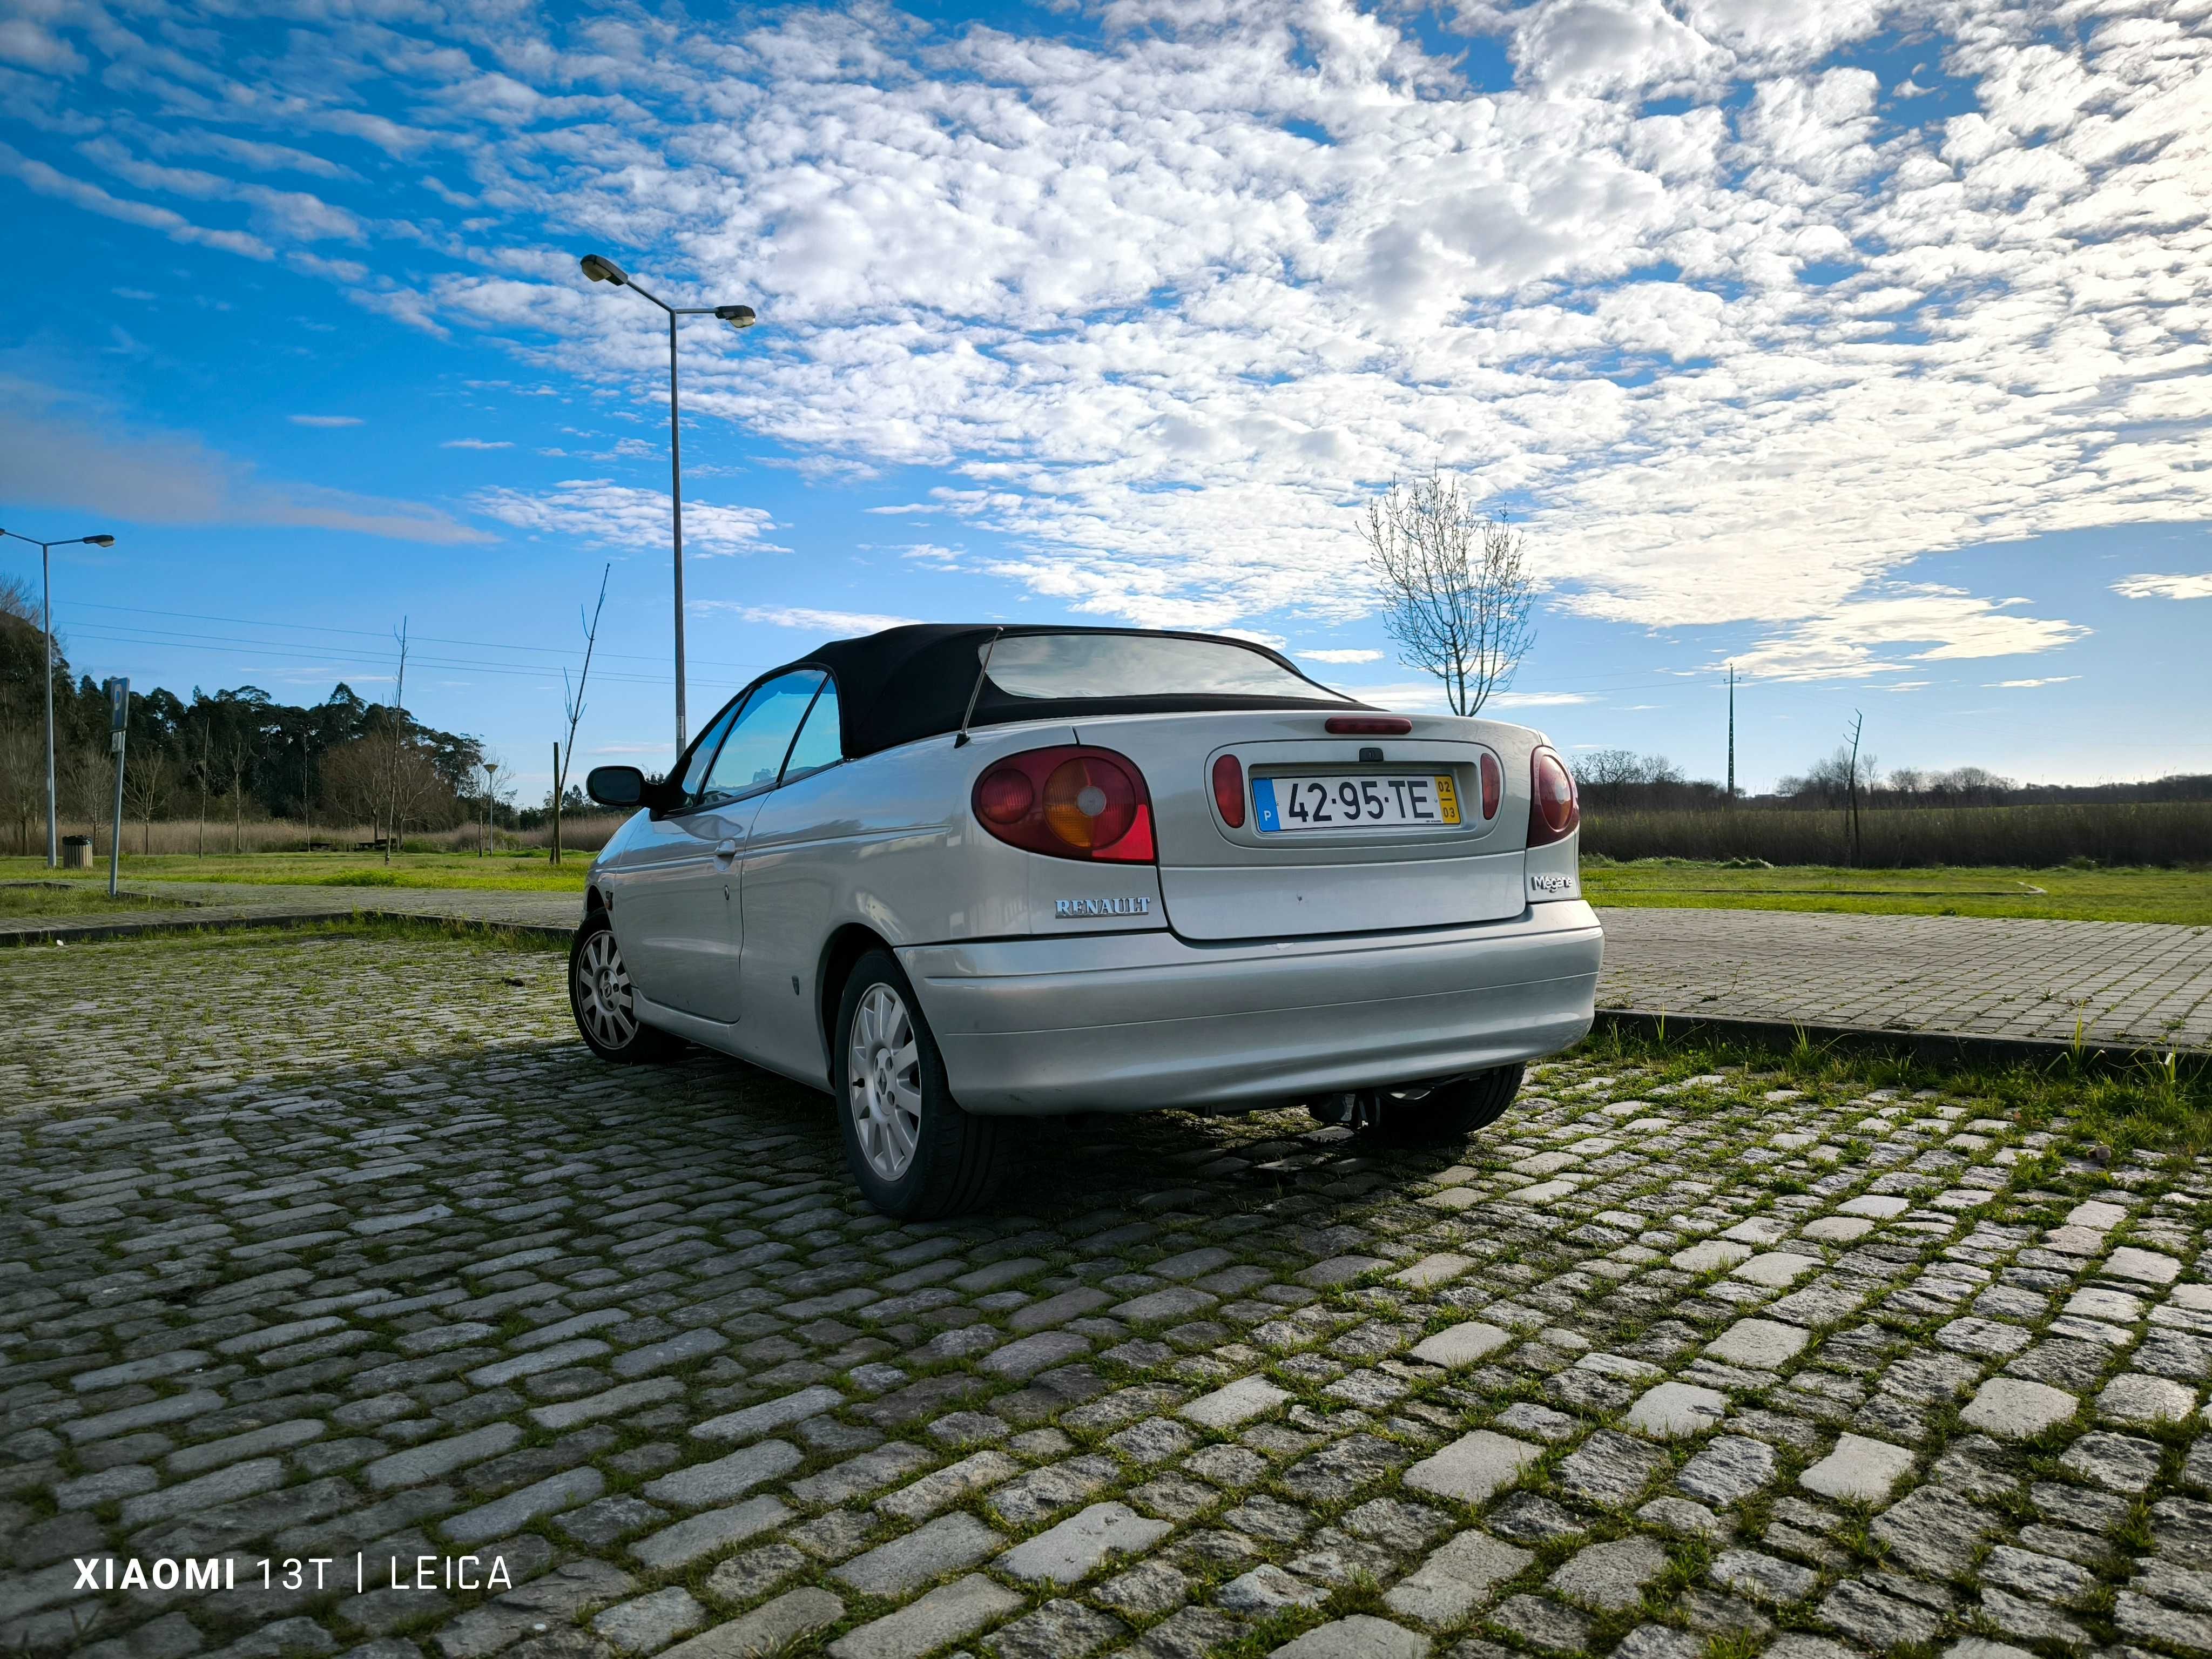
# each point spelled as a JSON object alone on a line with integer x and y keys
{"x": 355, "y": 1254}
{"x": 2128, "y": 983}
{"x": 2107, "y": 981}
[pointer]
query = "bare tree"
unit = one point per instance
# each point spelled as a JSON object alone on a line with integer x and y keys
{"x": 146, "y": 787}
{"x": 238, "y": 767}
{"x": 1858, "y": 724}
{"x": 1456, "y": 594}
{"x": 572, "y": 706}
{"x": 401, "y": 749}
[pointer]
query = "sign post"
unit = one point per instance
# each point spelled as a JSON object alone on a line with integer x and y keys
{"x": 118, "y": 720}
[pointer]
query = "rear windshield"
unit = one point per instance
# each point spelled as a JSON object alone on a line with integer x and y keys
{"x": 1055, "y": 667}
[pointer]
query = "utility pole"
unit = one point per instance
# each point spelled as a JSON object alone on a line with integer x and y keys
{"x": 1731, "y": 794}
{"x": 556, "y": 859}
{"x": 118, "y": 720}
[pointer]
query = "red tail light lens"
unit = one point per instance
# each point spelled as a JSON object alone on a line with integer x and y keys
{"x": 1370, "y": 725}
{"x": 1229, "y": 790}
{"x": 1493, "y": 785}
{"x": 1555, "y": 809}
{"x": 1068, "y": 802}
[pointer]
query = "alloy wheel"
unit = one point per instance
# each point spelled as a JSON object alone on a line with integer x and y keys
{"x": 883, "y": 1081}
{"x": 604, "y": 1002}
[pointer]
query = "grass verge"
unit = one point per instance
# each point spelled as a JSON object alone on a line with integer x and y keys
{"x": 2179, "y": 897}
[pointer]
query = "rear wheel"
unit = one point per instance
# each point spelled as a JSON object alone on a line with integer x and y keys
{"x": 604, "y": 1001}
{"x": 914, "y": 1153}
{"x": 1444, "y": 1114}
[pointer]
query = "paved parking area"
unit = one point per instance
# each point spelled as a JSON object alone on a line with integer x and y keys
{"x": 342, "y": 1250}
{"x": 2132, "y": 984}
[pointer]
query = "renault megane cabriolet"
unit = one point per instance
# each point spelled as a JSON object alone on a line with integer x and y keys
{"x": 955, "y": 873}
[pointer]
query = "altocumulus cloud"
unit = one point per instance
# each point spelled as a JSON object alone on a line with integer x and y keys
{"x": 603, "y": 514}
{"x": 1737, "y": 328}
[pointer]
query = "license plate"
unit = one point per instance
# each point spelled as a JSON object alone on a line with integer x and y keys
{"x": 1424, "y": 801}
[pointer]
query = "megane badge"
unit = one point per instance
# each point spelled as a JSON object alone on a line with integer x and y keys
{"x": 1139, "y": 906}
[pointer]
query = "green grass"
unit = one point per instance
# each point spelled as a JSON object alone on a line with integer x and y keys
{"x": 516, "y": 873}
{"x": 2100, "y": 1110}
{"x": 2182, "y": 897}
{"x": 79, "y": 898}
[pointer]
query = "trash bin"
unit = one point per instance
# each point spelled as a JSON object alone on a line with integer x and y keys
{"x": 76, "y": 852}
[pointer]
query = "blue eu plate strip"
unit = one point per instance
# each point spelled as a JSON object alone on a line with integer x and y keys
{"x": 1263, "y": 803}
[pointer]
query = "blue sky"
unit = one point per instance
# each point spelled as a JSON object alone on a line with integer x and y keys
{"x": 1862, "y": 343}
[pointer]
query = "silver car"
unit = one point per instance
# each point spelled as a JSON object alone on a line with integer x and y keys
{"x": 953, "y": 874}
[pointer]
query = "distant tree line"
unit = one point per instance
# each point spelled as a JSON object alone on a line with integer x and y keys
{"x": 224, "y": 758}
{"x": 1621, "y": 779}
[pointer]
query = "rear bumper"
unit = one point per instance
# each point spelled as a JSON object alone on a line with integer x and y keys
{"x": 1134, "y": 1022}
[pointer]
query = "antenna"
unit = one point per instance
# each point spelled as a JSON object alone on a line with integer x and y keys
{"x": 976, "y": 691}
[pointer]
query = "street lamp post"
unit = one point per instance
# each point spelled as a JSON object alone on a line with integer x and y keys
{"x": 603, "y": 269}
{"x": 489, "y": 767}
{"x": 46, "y": 585}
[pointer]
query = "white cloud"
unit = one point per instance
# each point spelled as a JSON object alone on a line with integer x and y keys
{"x": 476, "y": 443}
{"x": 58, "y": 450}
{"x": 324, "y": 420}
{"x": 2165, "y": 587}
{"x": 1740, "y": 362}
{"x": 839, "y": 624}
{"x": 1846, "y": 642}
{"x": 1341, "y": 656}
{"x": 2011, "y": 685}
{"x": 608, "y": 514}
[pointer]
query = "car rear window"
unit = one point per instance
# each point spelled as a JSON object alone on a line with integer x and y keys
{"x": 1055, "y": 667}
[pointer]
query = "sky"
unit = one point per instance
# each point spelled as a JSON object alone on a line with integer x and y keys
{"x": 1863, "y": 345}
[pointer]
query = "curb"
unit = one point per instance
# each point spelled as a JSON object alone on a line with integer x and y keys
{"x": 1940, "y": 1047}
{"x": 64, "y": 932}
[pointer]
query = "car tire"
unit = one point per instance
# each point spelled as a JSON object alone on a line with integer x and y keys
{"x": 1447, "y": 1114}
{"x": 605, "y": 1004}
{"x": 914, "y": 1153}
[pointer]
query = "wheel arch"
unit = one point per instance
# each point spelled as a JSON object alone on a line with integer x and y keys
{"x": 844, "y": 947}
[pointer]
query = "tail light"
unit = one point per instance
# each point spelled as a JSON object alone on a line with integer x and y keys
{"x": 1370, "y": 725}
{"x": 1229, "y": 790}
{"x": 1068, "y": 802}
{"x": 1555, "y": 809}
{"x": 1493, "y": 785}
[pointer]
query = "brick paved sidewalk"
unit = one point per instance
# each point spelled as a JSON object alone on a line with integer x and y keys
{"x": 2128, "y": 983}
{"x": 359, "y": 1252}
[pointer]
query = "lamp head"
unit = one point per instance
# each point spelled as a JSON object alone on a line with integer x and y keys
{"x": 601, "y": 269}
{"x": 102, "y": 541}
{"x": 737, "y": 316}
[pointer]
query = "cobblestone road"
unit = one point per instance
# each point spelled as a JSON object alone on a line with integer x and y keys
{"x": 345, "y": 1248}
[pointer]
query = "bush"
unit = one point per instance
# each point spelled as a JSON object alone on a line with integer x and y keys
{"x": 2163, "y": 834}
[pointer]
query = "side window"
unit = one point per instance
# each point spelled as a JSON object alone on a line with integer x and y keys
{"x": 821, "y": 740}
{"x": 702, "y": 752}
{"x": 752, "y": 755}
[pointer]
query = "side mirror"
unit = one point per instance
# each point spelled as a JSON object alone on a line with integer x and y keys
{"x": 616, "y": 786}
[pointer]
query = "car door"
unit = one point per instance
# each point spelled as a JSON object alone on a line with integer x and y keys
{"x": 791, "y": 880}
{"x": 678, "y": 919}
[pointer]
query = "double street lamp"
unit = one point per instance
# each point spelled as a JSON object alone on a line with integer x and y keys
{"x": 46, "y": 582}
{"x": 602, "y": 270}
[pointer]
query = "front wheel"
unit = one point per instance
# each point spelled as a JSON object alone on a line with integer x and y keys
{"x": 604, "y": 1001}
{"x": 1444, "y": 1114}
{"x": 914, "y": 1153}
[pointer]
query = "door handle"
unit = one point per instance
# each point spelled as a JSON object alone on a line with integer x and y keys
{"x": 726, "y": 851}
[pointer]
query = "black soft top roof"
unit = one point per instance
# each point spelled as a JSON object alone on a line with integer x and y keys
{"x": 915, "y": 682}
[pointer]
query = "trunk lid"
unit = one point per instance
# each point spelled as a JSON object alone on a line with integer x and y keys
{"x": 1304, "y": 867}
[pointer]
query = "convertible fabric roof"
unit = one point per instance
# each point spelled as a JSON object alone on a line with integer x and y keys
{"x": 915, "y": 682}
